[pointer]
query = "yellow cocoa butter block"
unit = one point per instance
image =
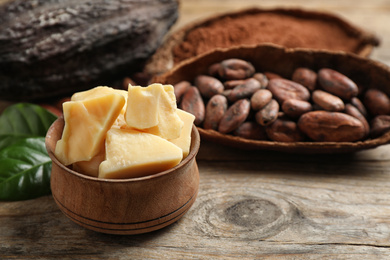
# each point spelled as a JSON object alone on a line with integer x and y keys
{"x": 131, "y": 153}
{"x": 152, "y": 109}
{"x": 184, "y": 141}
{"x": 86, "y": 124}
{"x": 90, "y": 167}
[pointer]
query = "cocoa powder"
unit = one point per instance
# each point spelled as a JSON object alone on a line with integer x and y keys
{"x": 277, "y": 28}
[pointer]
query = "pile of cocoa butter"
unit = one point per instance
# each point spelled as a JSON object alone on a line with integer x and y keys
{"x": 321, "y": 106}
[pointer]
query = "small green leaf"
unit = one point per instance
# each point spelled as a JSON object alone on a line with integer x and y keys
{"x": 25, "y": 170}
{"x": 25, "y": 166}
{"x": 24, "y": 119}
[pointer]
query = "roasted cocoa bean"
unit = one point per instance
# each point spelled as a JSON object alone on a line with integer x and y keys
{"x": 235, "y": 69}
{"x": 260, "y": 98}
{"x": 234, "y": 116}
{"x": 284, "y": 130}
{"x": 306, "y": 77}
{"x": 338, "y": 84}
{"x": 192, "y": 102}
{"x": 283, "y": 89}
{"x": 353, "y": 111}
{"x": 377, "y": 102}
{"x": 215, "y": 110}
{"x": 180, "y": 89}
{"x": 231, "y": 84}
{"x": 214, "y": 69}
{"x": 272, "y": 75}
{"x": 294, "y": 108}
{"x": 245, "y": 90}
{"x": 251, "y": 130}
{"x": 208, "y": 86}
{"x": 379, "y": 125}
{"x": 268, "y": 114}
{"x": 328, "y": 101}
{"x": 325, "y": 126}
{"x": 359, "y": 105}
{"x": 262, "y": 78}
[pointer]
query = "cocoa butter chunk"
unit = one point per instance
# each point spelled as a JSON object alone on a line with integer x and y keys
{"x": 50, "y": 48}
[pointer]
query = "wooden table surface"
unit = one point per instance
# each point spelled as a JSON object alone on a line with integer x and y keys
{"x": 251, "y": 205}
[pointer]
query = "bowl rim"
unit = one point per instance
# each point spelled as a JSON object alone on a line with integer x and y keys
{"x": 194, "y": 149}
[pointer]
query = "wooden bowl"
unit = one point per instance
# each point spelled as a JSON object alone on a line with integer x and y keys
{"x": 124, "y": 206}
{"x": 287, "y": 27}
{"x": 271, "y": 58}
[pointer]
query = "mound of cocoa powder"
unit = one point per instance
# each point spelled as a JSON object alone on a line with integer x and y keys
{"x": 279, "y": 27}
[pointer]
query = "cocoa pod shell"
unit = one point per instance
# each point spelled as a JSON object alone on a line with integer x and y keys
{"x": 54, "y": 48}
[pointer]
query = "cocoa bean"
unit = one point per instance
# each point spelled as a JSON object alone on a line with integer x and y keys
{"x": 379, "y": 125}
{"x": 306, "y": 77}
{"x": 262, "y": 78}
{"x": 325, "y": 126}
{"x": 231, "y": 84}
{"x": 377, "y": 102}
{"x": 245, "y": 90}
{"x": 294, "y": 108}
{"x": 251, "y": 130}
{"x": 283, "y": 89}
{"x": 268, "y": 114}
{"x": 234, "y": 116}
{"x": 336, "y": 83}
{"x": 272, "y": 75}
{"x": 284, "y": 130}
{"x": 260, "y": 98}
{"x": 215, "y": 110}
{"x": 235, "y": 69}
{"x": 180, "y": 89}
{"x": 328, "y": 101}
{"x": 353, "y": 111}
{"x": 208, "y": 86}
{"x": 359, "y": 105}
{"x": 192, "y": 102}
{"x": 213, "y": 69}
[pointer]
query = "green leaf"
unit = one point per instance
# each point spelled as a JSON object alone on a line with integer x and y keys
{"x": 25, "y": 169}
{"x": 25, "y": 166}
{"x": 24, "y": 119}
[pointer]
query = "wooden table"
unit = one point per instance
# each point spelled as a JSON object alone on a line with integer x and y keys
{"x": 251, "y": 205}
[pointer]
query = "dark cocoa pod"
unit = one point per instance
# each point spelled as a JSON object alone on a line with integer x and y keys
{"x": 231, "y": 69}
{"x": 180, "y": 89}
{"x": 294, "y": 108}
{"x": 251, "y": 130}
{"x": 192, "y": 102}
{"x": 268, "y": 114}
{"x": 377, "y": 102}
{"x": 260, "y": 99}
{"x": 234, "y": 116}
{"x": 283, "y": 89}
{"x": 327, "y": 101}
{"x": 306, "y": 77}
{"x": 379, "y": 125}
{"x": 338, "y": 84}
{"x": 215, "y": 110}
{"x": 325, "y": 126}
{"x": 51, "y": 48}
{"x": 353, "y": 111}
{"x": 284, "y": 130}
{"x": 245, "y": 90}
{"x": 208, "y": 86}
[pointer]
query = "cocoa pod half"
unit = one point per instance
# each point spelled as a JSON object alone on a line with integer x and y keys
{"x": 52, "y": 48}
{"x": 325, "y": 126}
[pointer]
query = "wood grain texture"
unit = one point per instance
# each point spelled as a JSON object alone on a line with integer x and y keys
{"x": 251, "y": 205}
